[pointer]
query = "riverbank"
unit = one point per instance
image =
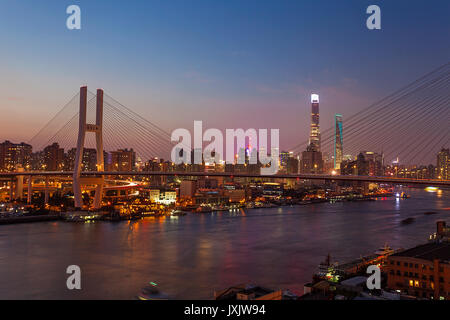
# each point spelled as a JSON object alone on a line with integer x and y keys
{"x": 26, "y": 219}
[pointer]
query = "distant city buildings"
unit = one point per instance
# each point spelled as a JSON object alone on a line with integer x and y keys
{"x": 367, "y": 163}
{"x": 53, "y": 158}
{"x": 443, "y": 164}
{"x": 13, "y": 155}
{"x": 163, "y": 196}
{"x": 288, "y": 163}
{"x": 89, "y": 159}
{"x": 122, "y": 160}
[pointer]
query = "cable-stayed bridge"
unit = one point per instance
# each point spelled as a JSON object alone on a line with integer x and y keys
{"x": 411, "y": 124}
{"x": 298, "y": 176}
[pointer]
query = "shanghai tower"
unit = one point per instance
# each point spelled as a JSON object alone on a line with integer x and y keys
{"x": 314, "y": 136}
{"x": 312, "y": 161}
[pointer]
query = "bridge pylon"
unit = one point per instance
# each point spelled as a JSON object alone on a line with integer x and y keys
{"x": 84, "y": 127}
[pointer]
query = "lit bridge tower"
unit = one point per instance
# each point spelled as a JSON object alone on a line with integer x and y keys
{"x": 84, "y": 127}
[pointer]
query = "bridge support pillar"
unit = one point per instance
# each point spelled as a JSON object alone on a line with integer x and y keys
{"x": 99, "y": 144}
{"x": 46, "y": 191}
{"x": 19, "y": 185}
{"x": 97, "y": 128}
{"x": 98, "y": 196}
{"x": 11, "y": 189}
{"x": 30, "y": 190}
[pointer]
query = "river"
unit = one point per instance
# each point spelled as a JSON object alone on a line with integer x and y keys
{"x": 192, "y": 255}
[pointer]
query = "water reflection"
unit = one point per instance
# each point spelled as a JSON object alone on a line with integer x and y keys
{"x": 192, "y": 255}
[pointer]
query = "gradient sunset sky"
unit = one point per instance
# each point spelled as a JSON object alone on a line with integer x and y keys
{"x": 247, "y": 63}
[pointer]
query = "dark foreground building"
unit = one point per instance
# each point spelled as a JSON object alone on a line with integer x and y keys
{"x": 422, "y": 271}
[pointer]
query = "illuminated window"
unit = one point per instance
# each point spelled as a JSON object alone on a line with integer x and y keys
{"x": 416, "y": 283}
{"x": 411, "y": 283}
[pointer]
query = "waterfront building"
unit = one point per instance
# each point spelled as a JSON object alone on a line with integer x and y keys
{"x": 163, "y": 196}
{"x": 272, "y": 189}
{"x": 207, "y": 183}
{"x": 210, "y": 197}
{"x": 187, "y": 189}
{"x": 443, "y": 164}
{"x": 423, "y": 271}
{"x": 235, "y": 195}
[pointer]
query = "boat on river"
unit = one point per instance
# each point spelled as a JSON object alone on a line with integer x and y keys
{"x": 203, "y": 209}
{"x": 178, "y": 212}
{"x": 151, "y": 292}
{"x": 384, "y": 251}
{"x": 408, "y": 220}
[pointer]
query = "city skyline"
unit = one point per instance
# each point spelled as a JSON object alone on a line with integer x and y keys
{"x": 239, "y": 151}
{"x": 423, "y": 100}
{"x": 238, "y": 77}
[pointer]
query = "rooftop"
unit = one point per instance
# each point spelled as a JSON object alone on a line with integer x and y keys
{"x": 428, "y": 251}
{"x": 247, "y": 289}
{"x": 355, "y": 281}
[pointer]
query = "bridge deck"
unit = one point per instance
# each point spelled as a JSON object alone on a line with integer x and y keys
{"x": 301, "y": 176}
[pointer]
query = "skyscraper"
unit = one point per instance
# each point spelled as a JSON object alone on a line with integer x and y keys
{"x": 314, "y": 136}
{"x": 312, "y": 161}
{"x": 338, "y": 141}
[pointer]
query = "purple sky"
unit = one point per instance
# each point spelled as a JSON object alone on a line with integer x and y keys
{"x": 231, "y": 64}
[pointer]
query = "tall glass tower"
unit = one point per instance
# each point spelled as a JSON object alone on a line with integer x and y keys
{"x": 338, "y": 141}
{"x": 312, "y": 161}
{"x": 314, "y": 136}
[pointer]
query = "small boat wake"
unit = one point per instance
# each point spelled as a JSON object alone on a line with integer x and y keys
{"x": 151, "y": 292}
